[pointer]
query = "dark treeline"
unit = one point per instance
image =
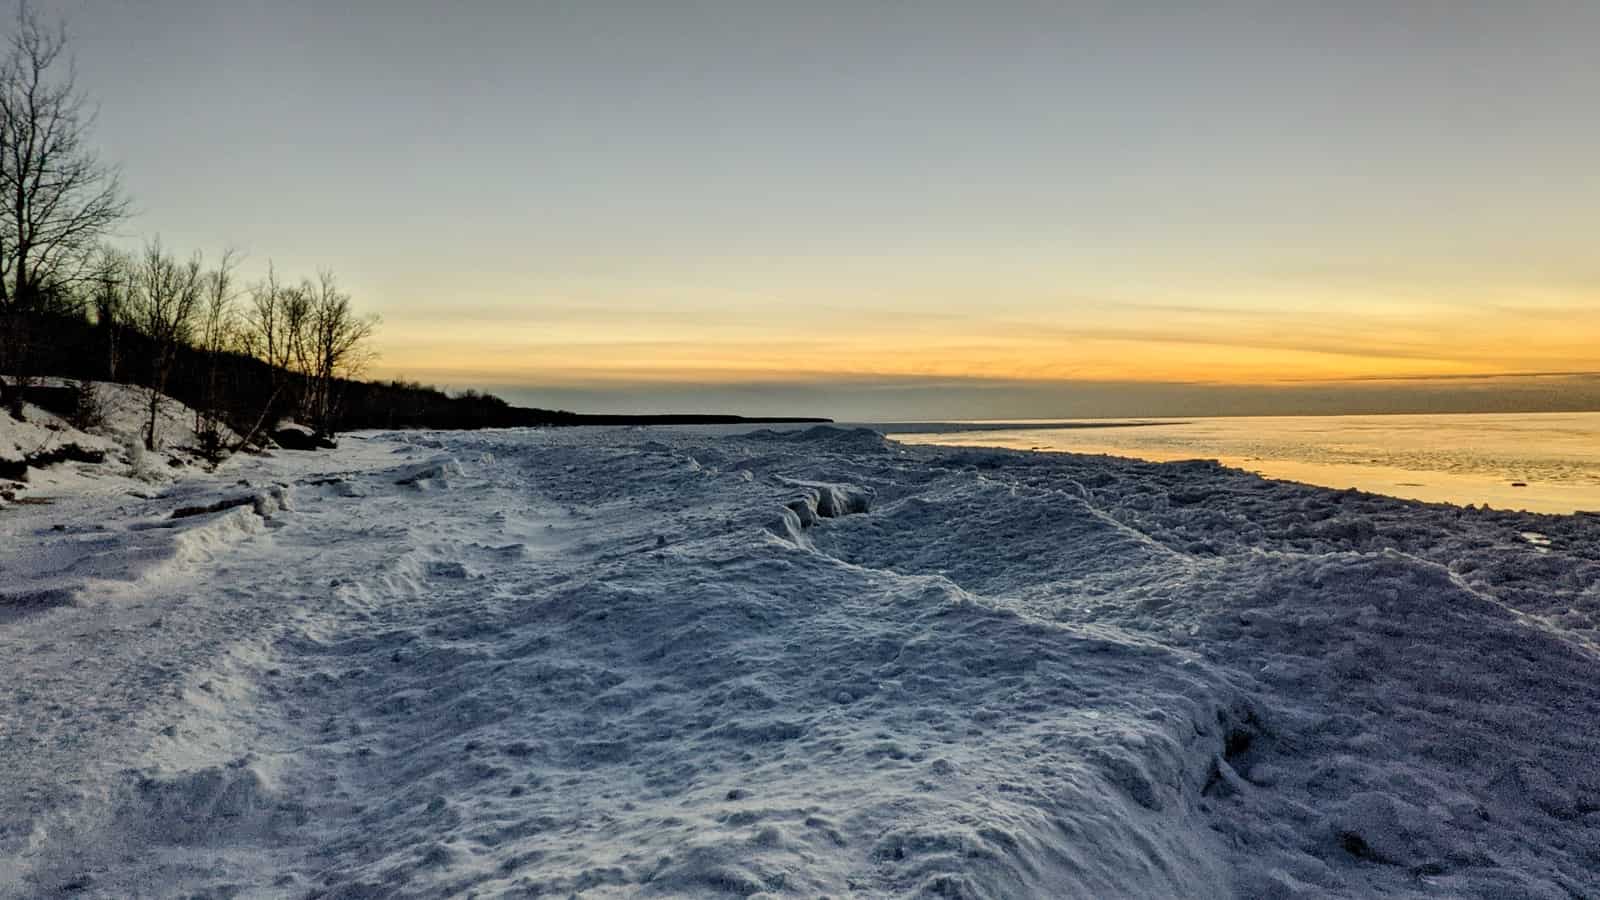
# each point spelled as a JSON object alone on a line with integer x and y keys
{"x": 80, "y": 349}
{"x": 74, "y": 347}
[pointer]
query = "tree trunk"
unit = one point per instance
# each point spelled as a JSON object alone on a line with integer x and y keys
{"x": 111, "y": 352}
{"x": 14, "y": 350}
{"x": 150, "y": 424}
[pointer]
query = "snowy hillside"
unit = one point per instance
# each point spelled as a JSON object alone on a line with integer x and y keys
{"x": 105, "y": 455}
{"x": 652, "y": 663}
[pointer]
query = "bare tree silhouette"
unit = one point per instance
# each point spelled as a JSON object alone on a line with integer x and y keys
{"x": 165, "y": 301}
{"x": 56, "y": 197}
{"x": 217, "y": 335}
{"x": 334, "y": 343}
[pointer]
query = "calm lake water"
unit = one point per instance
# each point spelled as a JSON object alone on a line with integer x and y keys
{"x": 1543, "y": 462}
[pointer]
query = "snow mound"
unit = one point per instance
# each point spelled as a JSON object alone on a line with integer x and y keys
{"x": 825, "y": 437}
{"x": 264, "y": 503}
{"x": 165, "y": 535}
{"x": 435, "y": 473}
{"x": 819, "y": 500}
{"x": 208, "y": 805}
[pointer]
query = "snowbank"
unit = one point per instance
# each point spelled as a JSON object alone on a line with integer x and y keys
{"x": 45, "y": 453}
{"x": 47, "y": 439}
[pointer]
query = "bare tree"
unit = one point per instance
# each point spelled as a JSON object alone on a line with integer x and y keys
{"x": 296, "y": 306}
{"x": 110, "y": 284}
{"x": 262, "y": 329}
{"x": 56, "y": 197}
{"x": 311, "y": 338}
{"x": 166, "y": 299}
{"x": 217, "y": 331}
{"x": 267, "y": 332}
{"x": 335, "y": 348}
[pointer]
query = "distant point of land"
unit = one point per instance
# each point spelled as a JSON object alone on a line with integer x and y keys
{"x": 568, "y": 418}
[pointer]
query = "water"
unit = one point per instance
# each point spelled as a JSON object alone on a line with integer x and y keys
{"x": 1542, "y": 462}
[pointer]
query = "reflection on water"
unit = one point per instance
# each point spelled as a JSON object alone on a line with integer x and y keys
{"x": 1544, "y": 462}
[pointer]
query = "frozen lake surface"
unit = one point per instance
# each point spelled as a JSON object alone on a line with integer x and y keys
{"x": 1544, "y": 462}
{"x": 659, "y": 663}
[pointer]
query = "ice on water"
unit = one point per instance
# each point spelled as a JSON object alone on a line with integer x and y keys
{"x": 1544, "y": 462}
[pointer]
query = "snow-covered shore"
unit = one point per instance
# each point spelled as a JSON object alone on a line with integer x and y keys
{"x": 619, "y": 662}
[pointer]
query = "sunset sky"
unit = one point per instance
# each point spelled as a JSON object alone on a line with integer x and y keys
{"x": 897, "y": 210}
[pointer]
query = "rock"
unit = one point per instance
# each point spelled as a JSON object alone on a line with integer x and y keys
{"x": 292, "y": 436}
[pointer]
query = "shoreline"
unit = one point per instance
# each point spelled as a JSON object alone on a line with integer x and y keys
{"x": 1549, "y": 465}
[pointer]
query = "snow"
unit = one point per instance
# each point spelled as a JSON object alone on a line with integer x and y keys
{"x": 119, "y": 437}
{"x": 623, "y": 662}
{"x": 41, "y": 433}
{"x": 125, "y": 410}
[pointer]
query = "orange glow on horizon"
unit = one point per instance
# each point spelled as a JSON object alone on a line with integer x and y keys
{"x": 1199, "y": 345}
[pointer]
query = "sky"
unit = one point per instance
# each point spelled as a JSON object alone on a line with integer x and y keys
{"x": 896, "y": 210}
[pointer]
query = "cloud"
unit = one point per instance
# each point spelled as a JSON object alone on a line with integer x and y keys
{"x": 1487, "y": 377}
